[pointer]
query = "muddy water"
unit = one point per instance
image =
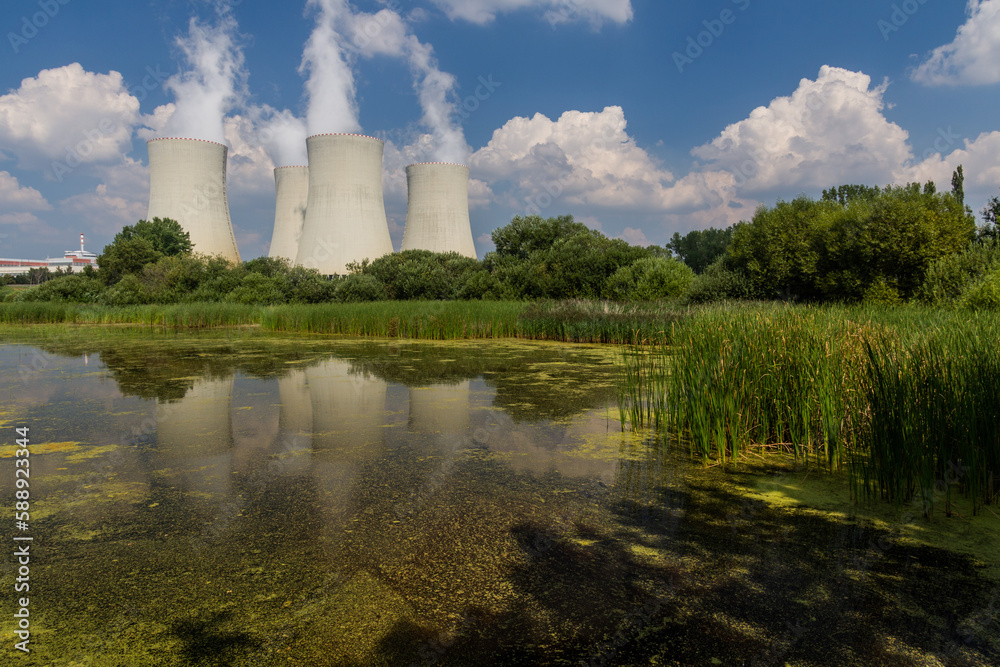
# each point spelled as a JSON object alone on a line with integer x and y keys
{"x": 240, "y": 499}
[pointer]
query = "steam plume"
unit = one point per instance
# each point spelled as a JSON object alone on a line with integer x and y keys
{"x": 213, "y": 83}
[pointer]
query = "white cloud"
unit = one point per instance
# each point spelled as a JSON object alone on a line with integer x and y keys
{"x": 974, "y": 57}
{"x": 828, "y": 131}
{"x": 635, "y": 237}
{"x": 14, "y": 196}
{"x": 70, "y": 116}
{"x": 583, "y": 158}
{"x": 980, "y": 160}
{"x": 120, "y": 199}
{"x": 251, "y": 170}
{"x": 554, "y": 11}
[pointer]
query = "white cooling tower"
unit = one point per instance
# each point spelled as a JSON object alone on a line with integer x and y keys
{"x": 291, "y": 185}
{"x": 437, "y": 211}
{"x": 187, "y": 183}
{"x": 345, "y": 213}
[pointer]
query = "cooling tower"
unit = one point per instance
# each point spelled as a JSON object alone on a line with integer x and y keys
{"x": 437, "y": 212}
{"x": 291, "y": 185}
{"x": 187, "y": 183}
{"x": 345, "y": 214}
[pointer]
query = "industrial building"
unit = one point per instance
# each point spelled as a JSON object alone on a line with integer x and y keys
{"x": 437, "y": 209}
{"x": 345, "y": 215}
{"x": 72, "y": 261}
{"x": 291, "y": 186}
{"x": 187, "y": 183}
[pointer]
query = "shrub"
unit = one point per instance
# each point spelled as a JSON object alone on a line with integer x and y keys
{"x": 720, "y": 282}
{"x": 71, "y": 288}
{"x": 984, "y": 295}
{"x": 650, "y": 279}
{"x": 359, "y": 287}
{"x": 951, "y": 276}
{"x": 257, "y": 289}
{"x": 129, "y": 291}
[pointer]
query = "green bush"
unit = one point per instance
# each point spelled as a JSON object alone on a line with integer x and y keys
{"x": 358, "y": 287}
{"x": 128, "y": 291}
{"x": 422, "y": 274}
{"x": 951, "y": 276}
{"x": 258, "y": 289}
{"x": 73, "y": 288}
{"x": 882, "y": 293}
{"x": 984, "y": 295}
{"x": 650, "y": 279}
{"x": 720, "y": 282}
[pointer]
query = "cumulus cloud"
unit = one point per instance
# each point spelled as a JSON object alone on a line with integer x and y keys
{"x": 69, "y": 116}
{"x": 635, "y": 237}
{"x": 980, "y": 158}
{"x": 828, "y": 131}
{"x": 554, "y": 11}
{"x": 14, "y": 196}
{"x": 583, "y": 158}
{"x": 120, "y": 199}
{"x": 973, "y": 58}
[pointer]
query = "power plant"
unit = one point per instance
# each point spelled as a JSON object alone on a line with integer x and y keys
{"x": 437, "y": 210}
{"x": 187, "y": 183}
{"x": 327, "y": 215}
{"x": 345, "y": 215}
{"x": 291, "y": 186}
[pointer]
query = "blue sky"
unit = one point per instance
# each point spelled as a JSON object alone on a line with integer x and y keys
{"x": 639, "y": 117}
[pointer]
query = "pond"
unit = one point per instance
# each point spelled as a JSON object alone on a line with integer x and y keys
{"x": 235, "y": 498}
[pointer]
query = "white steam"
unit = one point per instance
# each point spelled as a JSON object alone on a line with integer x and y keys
{"x": 330, "y": 86}
{"x": 213, "y": 83}
{"x": 386, "y": 33}
{"x": 282, "y": 135}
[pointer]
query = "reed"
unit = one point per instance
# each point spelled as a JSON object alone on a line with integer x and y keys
{"x": 908, "y": 399}
{"x": 576, "y": 321}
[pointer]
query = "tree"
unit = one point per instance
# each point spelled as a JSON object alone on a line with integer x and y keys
{"x": 523, "y": 236}
{"x": 990, "y": 213}
{"x": 958, "y": 185}
{"x": 140, "y": 244}
{"x": 699, "y": 248}
{"x": 874, "y": 244}
{"x": 845, "y": 194}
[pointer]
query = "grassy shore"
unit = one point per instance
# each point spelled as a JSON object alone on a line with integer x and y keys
{"x": 570, "y": 321}
{"x": 907, "y": 398}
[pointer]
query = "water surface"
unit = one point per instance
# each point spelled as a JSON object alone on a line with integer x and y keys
{"x": 240, "y": 499}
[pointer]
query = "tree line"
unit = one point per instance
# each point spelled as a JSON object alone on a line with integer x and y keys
{"x": 855, "y": 243}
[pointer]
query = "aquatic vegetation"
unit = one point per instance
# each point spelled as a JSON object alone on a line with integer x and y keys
{"x": 569, "y": 321}
{"x": 908, "y": 399}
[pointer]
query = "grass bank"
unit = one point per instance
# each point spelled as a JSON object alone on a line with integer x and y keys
{"x": 908, "y": 398}
{"x": 570, "y": 321}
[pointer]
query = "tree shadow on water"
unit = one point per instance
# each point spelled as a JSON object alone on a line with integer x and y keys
{"x": 208, "y": 642}
{"x": 704, "y": 575}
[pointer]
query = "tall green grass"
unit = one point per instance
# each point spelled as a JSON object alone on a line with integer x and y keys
{"x": 582, "y": 321}
{"x": 435, "y": 320}
{"x": 908, "y": 399}
{"x": 576, "y": 321}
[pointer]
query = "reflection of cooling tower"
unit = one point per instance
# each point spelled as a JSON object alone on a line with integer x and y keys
{"x": 437, "y": 212}
{"x": 295, "y": 423}
{"x": 441, "y": 409}
{"x": 348, "y": 410}
{"x": 345, "y": 213}
{"x": 348, "y": 416}
{"x": 200, "y": 424}
{"x": 187, "y": 183}
{"x": 195, "y": 436}
{"x": 291, "y": 186}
